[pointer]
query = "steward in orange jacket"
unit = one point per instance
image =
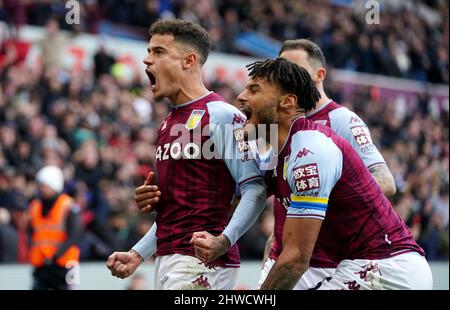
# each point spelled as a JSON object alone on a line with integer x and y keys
{"x": 56, "y": 229}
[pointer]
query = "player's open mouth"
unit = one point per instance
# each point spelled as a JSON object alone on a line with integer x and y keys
{"x": 246, "y": 110}
{"x": 152, "y": 79}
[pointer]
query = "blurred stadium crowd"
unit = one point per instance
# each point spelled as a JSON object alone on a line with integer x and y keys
{"x": 101, "y": 130}
{"x": 410, "y": 41}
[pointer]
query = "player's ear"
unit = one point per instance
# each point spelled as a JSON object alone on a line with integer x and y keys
{"x": 320, "y": 75}
{"x": 288, "y": 102}
{"x": 190, "y": 60}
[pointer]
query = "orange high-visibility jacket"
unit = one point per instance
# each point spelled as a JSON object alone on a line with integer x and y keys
{"x": 50, "y": 232}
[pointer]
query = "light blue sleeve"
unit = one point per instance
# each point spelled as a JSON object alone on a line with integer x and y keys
{"x": 266, "y": 161}
{"x": 146, "y": 247}
{"x": 312, "y": 170}
{"x": 252, "y": 203}
{"x": 228, "y": 135}
{"x": 350, "y": 126}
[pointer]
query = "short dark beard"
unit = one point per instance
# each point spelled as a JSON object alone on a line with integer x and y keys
{"x": 267, "y": 116}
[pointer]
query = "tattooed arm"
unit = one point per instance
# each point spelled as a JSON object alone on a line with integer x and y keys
{"x": 384, "y": 178}
{"x": 299, "y": 239}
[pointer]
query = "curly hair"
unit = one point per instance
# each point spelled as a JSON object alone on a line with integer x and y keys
{"x": 290, "y": 78}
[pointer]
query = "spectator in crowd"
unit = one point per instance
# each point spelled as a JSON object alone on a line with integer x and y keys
{"x": 15, "y": 231}
{"x": 103, "y": 62}
{"x": 52, "y": 44}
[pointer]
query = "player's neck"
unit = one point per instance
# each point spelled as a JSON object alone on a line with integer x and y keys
{"x": 284, "y": 126}
{"x": 189, "y": 90}
{"x": 323, "y": 98}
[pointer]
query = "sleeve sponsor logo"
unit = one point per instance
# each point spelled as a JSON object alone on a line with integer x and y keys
{"x": 361, "y": 135}
{"x": 239, "y": 136}
{"x": 306, "y": 177}
{"x": 243, "y": 146}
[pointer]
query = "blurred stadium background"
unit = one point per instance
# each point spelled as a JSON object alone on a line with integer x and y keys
{"x": 76, "y": 96}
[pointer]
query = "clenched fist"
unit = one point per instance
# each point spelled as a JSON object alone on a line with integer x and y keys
{"x": 208, "y": 247}
{"x": 123, "y": 264}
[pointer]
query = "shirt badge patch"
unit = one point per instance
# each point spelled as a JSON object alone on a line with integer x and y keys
{"x": 194, "y": 119}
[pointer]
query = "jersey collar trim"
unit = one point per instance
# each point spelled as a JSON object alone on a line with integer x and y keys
{"x": 178, "y": 106}
{"x": 319, "y": 109}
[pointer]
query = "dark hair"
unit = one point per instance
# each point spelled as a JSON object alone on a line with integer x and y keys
{"x": 312, "y": 49}
{"x": 185, "y": 32}
{"x": 290, "y": 78}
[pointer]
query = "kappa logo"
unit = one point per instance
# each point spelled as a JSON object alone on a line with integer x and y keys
{"x": 369, "y": 271}
{"x": 238, "y": 119}
{"x": 353, "y": 285}
{"x": 304, "y": 152}
{"x": 194, "y": 119}
{"x": 354, "y": 119}
{"x": 202, "y": 281}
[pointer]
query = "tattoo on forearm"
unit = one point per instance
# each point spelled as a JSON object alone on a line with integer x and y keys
{"x": 281, "y": 278}
{"x": 222, "y": 249}
{"x": 384, "y": 178}
{"x": 222, "y": 244}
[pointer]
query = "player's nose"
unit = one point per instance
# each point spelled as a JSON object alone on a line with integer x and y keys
{"x": 148, "y": 60}
{"x": 242, "y": 97}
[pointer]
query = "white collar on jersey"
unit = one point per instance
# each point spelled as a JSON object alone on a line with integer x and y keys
{"x": 319, "y": 109}
{"x": 177, "y": 106}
